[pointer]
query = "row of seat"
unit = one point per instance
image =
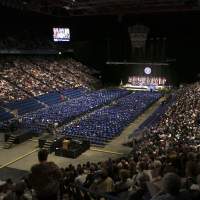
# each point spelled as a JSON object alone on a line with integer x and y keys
{"x": 4, "y": 115}
{"x": 155, "y": 117}
{"x": 54, "y": 97}
{"x": 39, "y": 102}
{"x": 64, "y": 112}
{"x": 108, "y": 122}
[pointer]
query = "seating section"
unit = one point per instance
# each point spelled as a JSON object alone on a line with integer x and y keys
{"x": 69, "y": 110}
{"x": 17, "y": 76}
{"x": 50, "y": 98}
{"x": 24, "y": 77}
{"x": 68, "y": 70}
{"x": 108, "y": 122}
{"x": 33, "y": 104}
{"x": 74, "y": 92}
{"x": 103, "y": 113}
{"x": 9, "y": 92}
{"x": 55, "y": 97}
{"x": 5, "y": 115}
{"x": 37, "y": 71}
{"x": 182, "y": 116}
{"x": 25, "y": 106}
{"x": 155, "y": 117}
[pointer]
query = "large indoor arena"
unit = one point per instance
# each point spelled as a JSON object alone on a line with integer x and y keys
{"x": 99, "y": 99}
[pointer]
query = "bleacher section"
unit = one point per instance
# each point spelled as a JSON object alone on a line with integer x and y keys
{"x": 9, "y": 92}
{"x": 155, "y": 117}
{"x": 29, "y": 83}
{"x": 108, "y": 122}
{"x": 25, "y": 77}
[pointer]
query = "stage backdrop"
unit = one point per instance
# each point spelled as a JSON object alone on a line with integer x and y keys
{"x": 148, "y": 74}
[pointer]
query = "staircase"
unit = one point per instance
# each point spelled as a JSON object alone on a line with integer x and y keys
{"x": 48, "y": 145}
{"x": 10, "y": 142}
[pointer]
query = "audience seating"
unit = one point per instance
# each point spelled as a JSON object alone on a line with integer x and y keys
{"x": 55, "y": 97}
{"x": 22, "y": 77}
{"x": 69, "y": 110}
{"x": 164, "y": 162}
{"x": 5, "y": 115}
{"x": 155, "y": 117}
{"x": 106, "y": 123}
{"x": 39, "y": 102}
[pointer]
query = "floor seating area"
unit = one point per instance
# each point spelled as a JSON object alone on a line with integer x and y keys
{"x": 55, "y": 97}
{"x": 64, "y": 112}
{"x": 24, "y": 106}
{"x": 32, "y": 104}
{"x": 108, "y": 122}
{"x": 101, "y": 115}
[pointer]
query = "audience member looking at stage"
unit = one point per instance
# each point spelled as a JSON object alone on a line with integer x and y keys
{"x": 45, "y": 178}
{"x": 171, "y": 189}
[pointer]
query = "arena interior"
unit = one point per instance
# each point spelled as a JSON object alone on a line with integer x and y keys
{"x": 99, "y": 99}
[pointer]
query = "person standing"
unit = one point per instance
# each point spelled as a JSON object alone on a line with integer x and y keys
{"x": 45, "y": 178}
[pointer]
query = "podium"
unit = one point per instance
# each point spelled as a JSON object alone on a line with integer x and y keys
{"x": 65, "y": 144}
{"x": 71, "y": 148}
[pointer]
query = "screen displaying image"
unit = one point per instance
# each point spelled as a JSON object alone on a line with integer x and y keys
{"x": 61, "y": 34}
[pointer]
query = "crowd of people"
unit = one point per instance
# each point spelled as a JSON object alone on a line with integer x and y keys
{"x": 147, "y": 80}
{"x": 108, "y": 122}
{"x": 21, "y": 77}
{"x": 164, "y": 164}
{"x": 9, "y": 92}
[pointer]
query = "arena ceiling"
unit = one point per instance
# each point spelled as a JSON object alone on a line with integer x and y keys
{"x": 102, "y": 7}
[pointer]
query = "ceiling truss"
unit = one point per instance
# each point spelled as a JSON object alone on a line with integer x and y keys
{"x": 65, "y": 8}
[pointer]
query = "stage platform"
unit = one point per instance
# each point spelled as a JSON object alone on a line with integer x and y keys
{"x": 144, "y": 87}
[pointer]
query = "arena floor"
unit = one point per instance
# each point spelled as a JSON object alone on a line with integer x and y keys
{"x": 19, "y": 159}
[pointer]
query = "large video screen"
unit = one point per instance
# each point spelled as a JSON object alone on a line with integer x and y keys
{"x": 61, "y": 34}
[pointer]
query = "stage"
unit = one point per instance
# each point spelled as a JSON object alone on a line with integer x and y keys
{"x": 145, "y": 87}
